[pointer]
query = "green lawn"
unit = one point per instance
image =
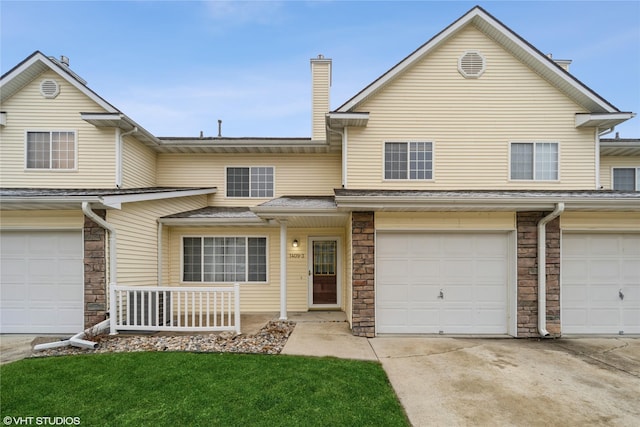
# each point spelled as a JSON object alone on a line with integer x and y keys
{"x": 200, "y": 389}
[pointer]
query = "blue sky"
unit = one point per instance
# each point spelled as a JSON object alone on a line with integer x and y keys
{"x": 177, "y": 67}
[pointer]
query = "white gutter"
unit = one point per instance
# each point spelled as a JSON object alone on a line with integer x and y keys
{"x": 78, "y": 339}
{"x": 86, "y": 209}
{"x": 542, "y": 269}
{"x": 119, "y": 150}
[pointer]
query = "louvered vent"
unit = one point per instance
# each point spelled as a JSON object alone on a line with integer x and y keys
{"x": 49, "y": 88}
{"x": 471, "y": 64}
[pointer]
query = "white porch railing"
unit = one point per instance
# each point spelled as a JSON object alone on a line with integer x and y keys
{"x": 184, "y": 309}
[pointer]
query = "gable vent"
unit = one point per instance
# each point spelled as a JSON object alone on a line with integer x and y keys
{"x": 49, "y": 88}
{"x": 472, "y": 64}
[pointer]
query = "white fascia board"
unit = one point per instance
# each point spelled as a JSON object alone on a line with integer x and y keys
{"x": 516, "y": 204}
{"x": 116, "y": 202}
{"x": 47, "y": 202}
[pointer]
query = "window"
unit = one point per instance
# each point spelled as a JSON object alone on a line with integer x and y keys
{"x": 626, "y": 179}
{"x": 224, "y": 259}
{"x": 250, "y": 182}
{"x": 534, "y": 161}
{"x": 51, "y": 150}
{"x": 408, "y": 160}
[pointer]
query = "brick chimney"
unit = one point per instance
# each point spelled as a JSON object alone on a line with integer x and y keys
{"x": 320, "y": 85}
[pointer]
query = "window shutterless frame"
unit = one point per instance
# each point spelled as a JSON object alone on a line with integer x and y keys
{"x": 50, "y": 150}
{"x": 625, "y": 177}
{"x": 539, "y": 151}
{"x": 410, "y": 160}
{"x": 200, "y": 239}
{"x": 261, "y": 182}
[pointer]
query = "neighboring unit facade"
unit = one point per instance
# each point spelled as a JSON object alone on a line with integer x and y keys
{"x": 464, "y": 191}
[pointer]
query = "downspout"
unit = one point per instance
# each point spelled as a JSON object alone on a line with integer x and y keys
{"x": 86, "y": 209}
{"x": 598, "y": 136}
{"x": 542, "y": 268}
{"x": 343, "y": 135}
{"x": 119, "y": 150}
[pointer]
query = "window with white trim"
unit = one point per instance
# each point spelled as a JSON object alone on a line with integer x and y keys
{"x": 626, "y": 179}
{"x": 254, "y": 181}
{"x": 408, "y": 160}
{"x": 51, "y": 150}
{"x": 224, "y": 259}
{"x": 536, "y": 161}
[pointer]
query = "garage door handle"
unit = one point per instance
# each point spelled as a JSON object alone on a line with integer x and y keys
{"x": 620, "y": 294}
{"x": 441, "y": 296}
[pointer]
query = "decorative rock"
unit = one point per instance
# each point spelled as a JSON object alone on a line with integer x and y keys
{"x": 269, "y": 340}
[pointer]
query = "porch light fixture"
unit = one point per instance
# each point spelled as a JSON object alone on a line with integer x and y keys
{"x": 295, "y": 243}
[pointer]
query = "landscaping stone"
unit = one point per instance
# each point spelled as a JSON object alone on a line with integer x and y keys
{"x": 269, "y": 340}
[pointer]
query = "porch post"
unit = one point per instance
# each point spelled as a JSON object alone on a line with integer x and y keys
{"x": 283, "y": 269}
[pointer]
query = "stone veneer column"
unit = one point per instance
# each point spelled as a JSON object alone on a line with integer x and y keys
{"x": 95, "y": 271}
{"x": 363, "y": 240}
{"x": 527, "y": 228}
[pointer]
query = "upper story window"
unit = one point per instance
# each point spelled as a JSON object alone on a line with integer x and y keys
{"x": 224, "y": 259}
{"x": 51, "y": 150}
{"x": 250, "y": 182}
{"x": 534, "y": 161}
{"x": 408, "y": 160}
{"x": 626, "y": 179}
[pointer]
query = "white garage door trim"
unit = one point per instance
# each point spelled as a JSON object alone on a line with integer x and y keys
{"x": 600, "y": 290}
{"x": 472, "y": 300}
{"x": 42, "y": 281}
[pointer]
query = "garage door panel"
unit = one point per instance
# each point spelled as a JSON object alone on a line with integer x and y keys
{"x": 42, "y": 276}
{"x": 469, "y": 268}
{"x": 595, "y": 269}
{"x": 394, "y": 293}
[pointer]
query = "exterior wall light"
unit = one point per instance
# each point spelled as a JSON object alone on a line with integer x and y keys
{"x": 295, "y": 243}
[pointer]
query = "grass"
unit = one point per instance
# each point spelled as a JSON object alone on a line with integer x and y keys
{"x": 200, "y": 389}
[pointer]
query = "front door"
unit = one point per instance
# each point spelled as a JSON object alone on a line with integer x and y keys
{"x": 324, "y": 272}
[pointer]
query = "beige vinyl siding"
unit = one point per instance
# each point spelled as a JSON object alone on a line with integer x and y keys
{"x": 607, "y": 163}
{"x": 470, "y": 122}
{"x": 28, "y": 110}
{"x": 320, "y": 86}
{"x": 138, "y": 164}
{"x": 605, "y": 221}
{"x": 445, "y": 221}
{"x": 259, "y": 297}
{"x": 137, "y": 236}
{"x": 41, "y": 220}
{"x": 294, "y": 174}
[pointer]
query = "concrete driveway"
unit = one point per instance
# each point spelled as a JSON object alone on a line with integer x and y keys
{"x": 565, "y": 382}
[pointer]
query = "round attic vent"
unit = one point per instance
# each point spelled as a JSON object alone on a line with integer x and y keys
{"x": 49, "y": 88}
{"x": 471, "y": 64}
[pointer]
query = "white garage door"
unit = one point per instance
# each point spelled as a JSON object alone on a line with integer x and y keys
{"x": 41, "y": 279}
{"x": 442, "y": 283}
{"x": 600, "y": 283}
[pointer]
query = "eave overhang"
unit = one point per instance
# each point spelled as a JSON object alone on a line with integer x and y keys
{"x": 65, "y": 199}
{"x": 340, "y": 120}
{"x": 122, "y": 122}
{"x": 601, "y": 120}
{"x": 628, "y": 147}
{"x": 514, "y": 201}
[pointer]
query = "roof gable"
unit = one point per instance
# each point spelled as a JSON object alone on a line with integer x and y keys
{"x": 512, "y": 43}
